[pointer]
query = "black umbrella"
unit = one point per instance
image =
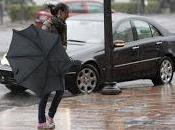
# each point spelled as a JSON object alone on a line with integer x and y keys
{"x": 38, "y": 60}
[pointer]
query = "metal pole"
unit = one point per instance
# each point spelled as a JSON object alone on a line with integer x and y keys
{"x": 1, "y": 12}
{"x": 108, "y": 35}
{"x": 108, "y": 40}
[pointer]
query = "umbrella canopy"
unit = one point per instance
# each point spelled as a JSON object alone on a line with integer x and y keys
{"x": 38, "y": 60}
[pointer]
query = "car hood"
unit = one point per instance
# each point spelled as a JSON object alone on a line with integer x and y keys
{"x": 78, "y": 50}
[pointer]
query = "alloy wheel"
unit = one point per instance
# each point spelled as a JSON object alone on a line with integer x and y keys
{"x": 87, "y": 80}
{"x": 166, "y": 71}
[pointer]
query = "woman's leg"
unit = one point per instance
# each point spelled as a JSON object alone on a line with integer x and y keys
{"x": 54, "y": 105}
{"x": 42, "y": 108}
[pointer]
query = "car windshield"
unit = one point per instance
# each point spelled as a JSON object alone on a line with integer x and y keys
{"x": 85, "y": 31}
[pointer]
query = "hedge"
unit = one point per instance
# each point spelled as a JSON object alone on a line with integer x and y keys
{"x": 125, "y": 7}
{"x": 132, "y": 8}
{"x": 17, "y": 12}
{"x": 153, "y": 7}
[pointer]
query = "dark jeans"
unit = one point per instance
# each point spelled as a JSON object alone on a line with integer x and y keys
{"x": 53, "y": 108}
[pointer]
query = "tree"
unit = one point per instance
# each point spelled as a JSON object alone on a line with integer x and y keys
{"x": 141, "y": 6}
{"x": 18, "y": 1}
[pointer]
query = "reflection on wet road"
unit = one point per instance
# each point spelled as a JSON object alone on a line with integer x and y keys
{"x": 140, "y": 108}
{"x": 10, "y": 100}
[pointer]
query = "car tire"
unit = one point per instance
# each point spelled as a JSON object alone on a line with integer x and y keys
{"x": 74, "y": 90}
{"x": 87, "y": 79}
{"x": 15, "y": 89}
{"x": 165, "y": 72}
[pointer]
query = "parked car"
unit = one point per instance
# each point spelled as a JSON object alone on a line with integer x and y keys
{"x": 142, "y": 50}
{"x": 76, "y": 7}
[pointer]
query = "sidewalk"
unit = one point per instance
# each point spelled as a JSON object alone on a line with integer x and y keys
{"x": 145, "y": 108}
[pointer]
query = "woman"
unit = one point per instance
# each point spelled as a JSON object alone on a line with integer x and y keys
{"x": 56, "y": 25}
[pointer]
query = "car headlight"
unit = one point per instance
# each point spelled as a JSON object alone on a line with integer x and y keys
{"x": 4, "y": 60}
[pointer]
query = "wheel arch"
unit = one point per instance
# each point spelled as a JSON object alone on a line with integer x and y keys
{"x": 172, "y": 58}
{"x": 93, "y": 63}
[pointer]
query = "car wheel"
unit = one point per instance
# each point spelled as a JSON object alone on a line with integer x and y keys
{"x": 87, "y": 79}
{"x": 165, "y": 72}
{"x": 15, "y": 89}
{"x": 74, "y": 90}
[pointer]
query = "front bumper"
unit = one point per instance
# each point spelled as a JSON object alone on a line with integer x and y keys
{"x": 6, "y": 75}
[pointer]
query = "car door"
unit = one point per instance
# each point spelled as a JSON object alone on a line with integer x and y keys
{"x": 124, "y": 58}
{"x": 149, "y": 39}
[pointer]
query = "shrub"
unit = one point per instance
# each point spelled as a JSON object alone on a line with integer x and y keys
{"x": 153, "y": 7}
{"x": 125, "y": 7}
{"x": 132, "y": 7}
{"x": 18, "y": 12}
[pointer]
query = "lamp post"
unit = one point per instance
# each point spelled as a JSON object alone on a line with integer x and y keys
{"x": 1, "y": 12}
{"x": 110, "y": 85}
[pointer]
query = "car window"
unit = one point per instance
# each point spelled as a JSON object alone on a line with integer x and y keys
{"x": 94, "y": 7}
{"x": 124, "y": 32}
{"x": 154, "y": 31}
{"x": 76, "y": 7}
{"x": 143, "y": 29}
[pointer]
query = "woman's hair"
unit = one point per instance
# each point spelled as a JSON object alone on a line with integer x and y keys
{"x": 55, "y": 8}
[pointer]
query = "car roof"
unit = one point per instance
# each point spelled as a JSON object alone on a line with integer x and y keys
{"x": 117, "y": 17}
{"x": 100, "y": 17}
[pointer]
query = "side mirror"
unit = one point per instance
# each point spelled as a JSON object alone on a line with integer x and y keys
{"x": 119, "y": 43}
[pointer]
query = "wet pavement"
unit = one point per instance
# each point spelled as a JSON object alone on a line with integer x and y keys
{"x": 136, "y": 108}
{"x": 10, "y": 100}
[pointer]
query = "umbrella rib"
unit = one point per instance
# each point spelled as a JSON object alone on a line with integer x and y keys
{"x": 27, "y": 56}
{"x": 39, "y": 64}
{"x": 37, "y": 34}
{"x": 31, "y": 72}
{"x": 30, "y": 40}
